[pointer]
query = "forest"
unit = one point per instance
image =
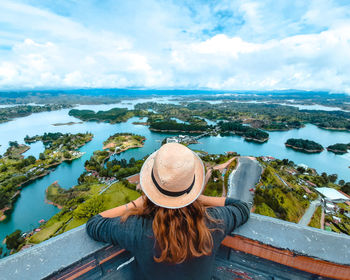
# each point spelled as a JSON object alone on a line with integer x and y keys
{"x": 339, "y": 148}
{"x": 170, "y": 125}
{"x": 249, "y": 133}
{"x": 304, "y": 145}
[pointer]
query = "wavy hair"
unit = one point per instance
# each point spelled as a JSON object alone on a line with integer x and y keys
{"x": 180, "y": 233}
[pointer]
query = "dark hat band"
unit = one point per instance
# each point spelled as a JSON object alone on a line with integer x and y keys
{"x": 174, "y": 194}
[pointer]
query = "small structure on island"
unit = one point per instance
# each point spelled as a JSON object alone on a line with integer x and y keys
{"x": 332, "y": 195}
{"x": 172, "y": 140}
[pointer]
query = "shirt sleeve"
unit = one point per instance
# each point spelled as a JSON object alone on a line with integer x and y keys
{"x": 110, "y": 230}
{"x": 234, "y": 214}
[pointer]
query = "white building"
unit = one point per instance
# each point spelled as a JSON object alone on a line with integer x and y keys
{"x": 332, "y": 195}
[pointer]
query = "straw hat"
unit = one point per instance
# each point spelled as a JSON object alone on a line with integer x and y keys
{"x": 173, "y": 176}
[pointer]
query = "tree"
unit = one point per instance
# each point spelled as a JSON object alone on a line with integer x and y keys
{"x": 325, "y": 177}
{"x": 90, "y": 208}
{"x": 67, "y": 154}
{"x": 42, "y": 156}
{"x": 14, "y": 240}
{"x": 341, "y": 182}
{"x": 13, "y": 144}
{"x": 31, "y": 159}
{"x": 346, "y": 188}
{"x": 332, "y": 178}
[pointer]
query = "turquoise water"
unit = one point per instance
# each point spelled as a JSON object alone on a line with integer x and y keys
{"x": 31, "y": 207}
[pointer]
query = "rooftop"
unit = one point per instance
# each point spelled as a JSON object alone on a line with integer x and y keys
{"x": 332, "y": 194}
{"x": 263, "y": 248}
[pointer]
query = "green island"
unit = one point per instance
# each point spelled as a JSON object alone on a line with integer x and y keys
{"x": 115, "y": 115}
{"x": 173, "y": 126}
{"x": 121, "y": 142}
{"x": 68, "y": 123}
{"x": 303, "y": 145}
{"x": 249, "y": 133}
{"x": 101, "y": 187}
{"x": 248, "y": 120}
{"x": 339, "y": 148}
{"x": 258, "y": 115}
{"x": 9, "y": 113}
{"x": 17, "y": 171}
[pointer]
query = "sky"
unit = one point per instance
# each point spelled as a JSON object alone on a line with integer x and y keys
{"x": 221, "y": 45}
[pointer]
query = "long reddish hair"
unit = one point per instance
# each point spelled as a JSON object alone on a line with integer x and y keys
{"x": 180, "y": 233}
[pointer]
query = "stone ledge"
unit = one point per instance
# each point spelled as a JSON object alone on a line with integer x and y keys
{"x": 61, "y": 251}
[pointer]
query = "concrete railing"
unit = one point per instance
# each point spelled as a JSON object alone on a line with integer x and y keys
{"x": 66, "y": 249}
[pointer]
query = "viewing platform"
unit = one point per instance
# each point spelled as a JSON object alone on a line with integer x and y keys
{"x": 263, "y": 248}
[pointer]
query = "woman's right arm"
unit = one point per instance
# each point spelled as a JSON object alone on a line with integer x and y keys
{"x": 234, "y": 214}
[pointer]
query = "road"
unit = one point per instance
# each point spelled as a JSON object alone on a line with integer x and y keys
{"x": 243, "y": 178}
{"x": 306, "y": 218}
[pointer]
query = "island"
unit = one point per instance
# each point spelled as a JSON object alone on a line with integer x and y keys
{"x": 303, "y": 145}
{"x": 121, "y": 142}
{"x": 339, "y": 148}
{"x": 173, "y": 126}
{"x": 68, "y": 123}
{"x": 17, "y": 171}
{"x": 249, "y": 133}
{"x": 115, "y": 115}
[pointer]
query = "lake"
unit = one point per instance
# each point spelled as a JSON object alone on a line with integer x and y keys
{"x": 31, "y": 206}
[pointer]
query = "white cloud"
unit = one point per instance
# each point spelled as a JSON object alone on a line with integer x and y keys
{"x": 257, "y": 45}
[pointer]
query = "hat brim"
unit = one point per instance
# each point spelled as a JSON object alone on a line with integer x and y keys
{"x": 160, "y": 199}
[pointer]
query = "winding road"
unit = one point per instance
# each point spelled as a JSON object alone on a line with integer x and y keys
{"x": 243, "y": 178}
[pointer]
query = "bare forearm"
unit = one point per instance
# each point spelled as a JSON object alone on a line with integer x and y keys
{"x": 120, "y": 210}
{"x": 212, "y": 201}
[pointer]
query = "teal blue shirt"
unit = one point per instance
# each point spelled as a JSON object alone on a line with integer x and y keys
{"x": 136, "y": 236}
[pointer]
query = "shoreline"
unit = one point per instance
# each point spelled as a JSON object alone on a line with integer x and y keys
{"x": 338, "y": 152}
{"x": 167, "y": 130}
{"x": 303, "y": 150}
{"x": 47, "y": 201}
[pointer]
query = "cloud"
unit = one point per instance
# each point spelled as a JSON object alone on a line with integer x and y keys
{"x": 229, "y": 45}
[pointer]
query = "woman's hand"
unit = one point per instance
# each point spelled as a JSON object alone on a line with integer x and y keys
{"x": 120, "y": 210}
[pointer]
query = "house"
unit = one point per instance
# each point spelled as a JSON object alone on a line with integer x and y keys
{"x": 172, "y": 140}
{"x": 332, "y": 195}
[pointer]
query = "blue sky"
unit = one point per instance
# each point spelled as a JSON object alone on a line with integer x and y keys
{"x": 227, "y": 45}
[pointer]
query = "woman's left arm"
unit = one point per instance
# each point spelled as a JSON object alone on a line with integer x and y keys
{"x": 120, "y": 210}
{"x": 107, "y": 227}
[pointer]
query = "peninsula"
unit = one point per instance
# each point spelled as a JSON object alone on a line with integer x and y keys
{"x": 9, "y": 113}
{"x": 17, "y": 171}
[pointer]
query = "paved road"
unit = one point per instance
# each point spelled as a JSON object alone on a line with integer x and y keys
{"x": 305, "y": 220}
{"x": 245, "y": 176}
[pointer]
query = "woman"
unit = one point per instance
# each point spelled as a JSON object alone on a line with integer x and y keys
{"x": 172, "y": 230}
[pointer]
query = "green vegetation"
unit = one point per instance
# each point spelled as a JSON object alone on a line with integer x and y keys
{"x": 265, "y": 116}
{"x": 171, "y": 125}
{"x": 9, "y": 113}
{"x": 276, "y": 199}
{"x": 80, "y": 203}
{"x": 346, "y": 188}
{"x": 114, "y": 115}
{"x": 249, "y": 133}
{"x": 14, "y": 240}
{"x": 214, "y": 185}
{"x": 339, "y": 148}
{"x": 316, "y": 218}
{"x": 16, "y": 171}
{"x": 120, "y": 142}
{"x": 303, "y": 145}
